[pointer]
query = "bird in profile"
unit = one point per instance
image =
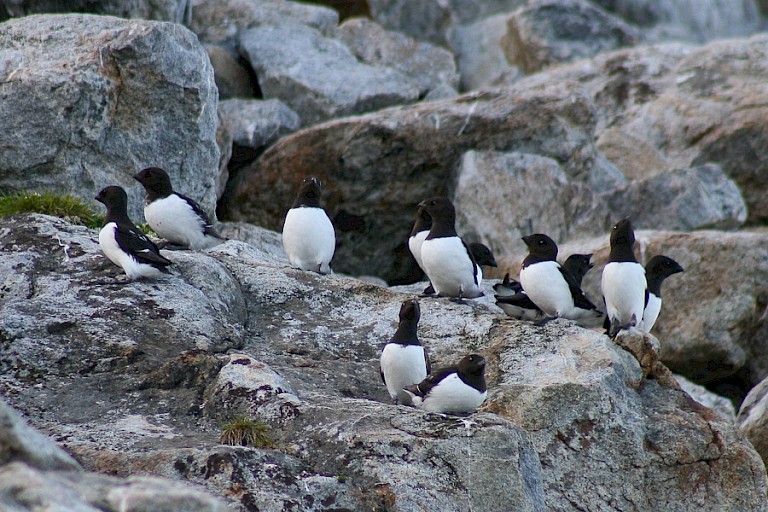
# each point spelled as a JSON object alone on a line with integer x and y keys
{"x": 123, "y": 243}
{"x": 404, "y": 360}
{"x": 657, "y": 270}
{"x": 513, "y": 300}
{"x": 309, "y": 239}
{"x": 623, "y": 282}
{"x": 448, "y": 262}
{"x": 457, "y": 389}
{"x": 174, "y": 216}
{"x": 554, "y": 290}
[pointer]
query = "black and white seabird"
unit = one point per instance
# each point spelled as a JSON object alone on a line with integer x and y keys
{"x": 553, "y": 289}
{"x": 123, "y": 243}
{"x": 623, "y": 281}
{"x": 174, "y": 216}
{"x": 404, "y": 361}
{"x": 309, "y": 239}
{"x": 657, "y": 270}
{"x": 447, "y": 260}
{"x": 458, "y": 389}
{"x": 511, "y": 298}
{"x": 418, "y": 234}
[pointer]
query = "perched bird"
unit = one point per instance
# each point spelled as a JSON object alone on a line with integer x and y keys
{"x": 447, "y": 260}
{"x": 483, "y": 256}
{"x": 554, "y": 290}
{"x": 458, "y": 389}
{"x": 657, "y": 270}
{"x": 309, "y": 239}
{"x": 174, "y": 216}
{"x": 623, "y": 282}
{"x": 404, "y": 361}
{"x": 123, "y": 243}
{"x": 511, "y": 298}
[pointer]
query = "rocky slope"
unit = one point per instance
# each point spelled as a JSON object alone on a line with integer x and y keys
{"x": 558, "y": 116}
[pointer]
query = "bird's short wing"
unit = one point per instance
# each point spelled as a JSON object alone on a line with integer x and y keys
{"x": 207, "y": 224}
{"x": 424, "y": 387}
{"x": 519, "y": 299}
{"x": 134, "y": 242}
{"x": 472, "y": 259}
{"x": 426, "y": 358}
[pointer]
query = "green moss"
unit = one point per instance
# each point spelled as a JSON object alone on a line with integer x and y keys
{"x": 243, "y": 431}
{"x": 68, "y": 207}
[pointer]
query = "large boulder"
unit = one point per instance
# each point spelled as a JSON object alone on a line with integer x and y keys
{"x": 319, "y": 77}
{"x": 134, "y": 380}
{"x": 753, "y": 418}
{"x": 176, "y": 11}
{"x": 87, "y": 101}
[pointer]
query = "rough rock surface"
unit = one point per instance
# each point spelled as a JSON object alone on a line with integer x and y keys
{"x": 258, "y": 123}
{"x": 135, "y": 378}
{"x": 428, "y": 66}
{"x": 553, "y": 31}
{"x": 319, "y": 77}
{"x": 87, "y": 101}
{"x": 753, "y": 419}
{"x": 176, "y": 11}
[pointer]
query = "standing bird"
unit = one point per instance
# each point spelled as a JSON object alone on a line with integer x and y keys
{"x": 404, "y": 361}
{"x": 623, "y": 282}
{"x": 123, "y": 243}
{"x": 511, "y": 298}
{"x": 657, "y": 270}
{"x": 309, "y": 239}
{"x": 458, "y": 389}
{"x": 174, "y": 216}
{"x": 418, "y": 234}
{"x": 447, "y": 260}
{"x": 551, "y": 288}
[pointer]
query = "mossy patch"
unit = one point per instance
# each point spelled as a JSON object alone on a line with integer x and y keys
{"x": 243, "y": 431}
{"x": 66, "y": 206}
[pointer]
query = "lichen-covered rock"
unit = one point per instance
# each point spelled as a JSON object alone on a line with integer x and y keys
{"x": 87, "y": 101}
{"x": 319, "y": 77}
{"x": 571, "y": 415}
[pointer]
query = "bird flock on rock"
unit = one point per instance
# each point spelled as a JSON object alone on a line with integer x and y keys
{"x": 546, "y": 289}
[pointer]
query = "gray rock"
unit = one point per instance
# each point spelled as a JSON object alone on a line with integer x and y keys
{"x": 554, "y": 31}
{"x": 261, "y": 244}
{"x": 441, "y": 92}
{"x": 479, "y": 54}
{"x": 258, "y": 123}
{"x": 318, "y": 77}
{"x": 428, "y": 66}
{"x": 96, "y": 99}
{"x": 682, "y": 199}
{"x": 676, "y": 20}
{"x": 425, "y": 20}
{"x": 753, "y": 419}
{"x": 21, "y": 443}
{"x": 219, "y": 22}
{"x": 587, "y": 415}
{"x": 468, "y": 11}
{"x": 224, "y": 141}
{"x": 232, "y": 79}
{"x": 176, "y": 11}
{"x": 709, "y": 399}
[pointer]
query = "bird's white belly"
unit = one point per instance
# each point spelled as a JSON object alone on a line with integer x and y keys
{"x": 449, "y": 268}
{"x": 451, "y": 395}
{"x": 309, "y": 239}
{"x": 623, "y": 285}
{"x": 173, "y": 219}
{"x": 545, "y": 285}
{"x": 402, "y": 365}
{"x": 651, "y": 312}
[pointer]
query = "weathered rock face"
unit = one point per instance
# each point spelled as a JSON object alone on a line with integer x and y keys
{"x": 87, "y": 101}
{"x": 137, "y": 381}
{"x": 753, "y": 419}
{"x": 176, "y": 11}
{"x": 552, "y": 31}
{"x": 258, "y": 123}
{"x": 319, "y": 77}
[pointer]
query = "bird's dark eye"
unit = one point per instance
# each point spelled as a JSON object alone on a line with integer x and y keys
{"x": 541, "y": 242}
